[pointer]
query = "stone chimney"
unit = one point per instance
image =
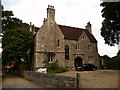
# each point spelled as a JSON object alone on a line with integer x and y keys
{"x": 51, "y": 13}
{"x": 89, "y": 27}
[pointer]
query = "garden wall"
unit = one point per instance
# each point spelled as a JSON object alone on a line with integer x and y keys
{"x": 50, "y": 80}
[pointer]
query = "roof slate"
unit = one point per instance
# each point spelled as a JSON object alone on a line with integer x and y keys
{"x": 73, "y": 33}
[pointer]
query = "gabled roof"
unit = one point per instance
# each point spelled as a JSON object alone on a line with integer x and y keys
{"x": 90, "y": 36}
{"x": 70, "y": 32}
{"x": 73, "y": 33}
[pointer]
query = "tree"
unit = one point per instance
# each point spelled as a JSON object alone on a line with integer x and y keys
{"x": 10, "y": 22}
{"x": 17, "y": 40}
{"x": 118, "y": 54}
{"x": 113, "y": 63}
{"x": 16, "y": 43}
{"x": 110, "y": 29}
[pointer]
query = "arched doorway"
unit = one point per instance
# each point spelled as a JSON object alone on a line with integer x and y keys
{"x": 78, "y": 61}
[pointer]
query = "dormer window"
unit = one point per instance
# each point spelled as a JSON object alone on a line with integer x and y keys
{"x": 83, "y": 37}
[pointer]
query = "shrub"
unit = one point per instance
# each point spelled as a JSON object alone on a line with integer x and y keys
{"x": 55, "y": 68}
{"x": 113, "y": 64}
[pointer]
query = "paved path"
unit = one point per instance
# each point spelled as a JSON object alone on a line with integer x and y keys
{"x": 12, "y": 81}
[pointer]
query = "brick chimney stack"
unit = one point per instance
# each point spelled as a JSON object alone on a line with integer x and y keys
{"x": 89, "y": 27}
{"x": 51, "y": 13}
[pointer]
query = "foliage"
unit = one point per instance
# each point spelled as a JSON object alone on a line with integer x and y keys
{"x": 17, "y": 40}
{"x": 106, "y": 58}
{"x": 113, "y": 63}
{"x": 55, "y": 68}
{"x": 118, "y": 53}
{"x": 10, "y": 22}
{"x": 110, "y": 29}
{"x": 16, "y": 43}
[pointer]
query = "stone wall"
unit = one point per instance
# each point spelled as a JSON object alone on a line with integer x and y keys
{"x": 50, "y": 80}
{"x": 82, "y": 52}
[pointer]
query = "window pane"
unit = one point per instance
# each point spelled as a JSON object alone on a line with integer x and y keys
{"x": 67, "y": 52}
{"x": 58, "y": 43}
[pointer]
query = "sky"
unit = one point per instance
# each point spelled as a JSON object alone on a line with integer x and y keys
{"x": 75, "y": 13}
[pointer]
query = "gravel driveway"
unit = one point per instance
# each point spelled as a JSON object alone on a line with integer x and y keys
{"x": 96, "y": 79}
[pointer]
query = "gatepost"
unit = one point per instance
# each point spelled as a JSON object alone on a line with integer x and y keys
{"x": 78, "y": 80}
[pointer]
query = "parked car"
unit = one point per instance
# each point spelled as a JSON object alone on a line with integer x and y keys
{"x": 86, "y": 67}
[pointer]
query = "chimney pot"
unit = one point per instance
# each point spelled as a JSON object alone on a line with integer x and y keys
{"x": 48, "y": 6}
{"x": 89, "y": 27}
{"x": 45, "y": 19}
{"x": 88, "y": 23}
{"x": 30, "y": 23}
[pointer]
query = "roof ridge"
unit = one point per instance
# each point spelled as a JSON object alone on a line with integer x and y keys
{"x": 71, "y": 27}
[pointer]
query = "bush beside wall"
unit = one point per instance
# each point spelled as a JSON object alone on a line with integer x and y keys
{"x": 55, "y": 68}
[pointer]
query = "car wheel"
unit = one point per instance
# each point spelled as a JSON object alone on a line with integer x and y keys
{"x": 81, "y": 69}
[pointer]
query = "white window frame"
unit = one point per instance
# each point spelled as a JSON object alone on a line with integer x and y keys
{"x": 77, "y": 46}
{"x": 50, "y": 58}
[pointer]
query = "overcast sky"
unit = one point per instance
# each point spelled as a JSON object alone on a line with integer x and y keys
{"x": 76, "y": 13}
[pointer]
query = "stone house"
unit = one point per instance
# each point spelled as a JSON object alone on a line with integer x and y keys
{"x": 69, "y": 46}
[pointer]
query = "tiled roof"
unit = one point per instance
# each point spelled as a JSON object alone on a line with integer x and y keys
{"x": 73, "y": 33}
{"x": 70, "y": 32}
